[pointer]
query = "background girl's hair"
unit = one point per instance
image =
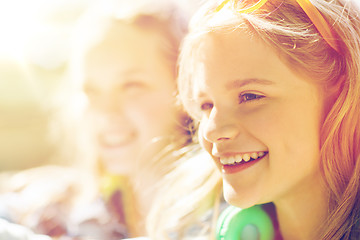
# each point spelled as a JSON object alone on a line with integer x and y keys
{"x": 287, "y": 29}
{"x": 163, "y": 17}
{"x": 188, "y": 193}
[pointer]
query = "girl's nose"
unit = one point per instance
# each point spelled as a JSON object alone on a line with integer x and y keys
{"x": 219, "y": 127}
{"x": 110, "y": 104}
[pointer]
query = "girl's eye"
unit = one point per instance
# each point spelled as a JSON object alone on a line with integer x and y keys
{"x": 249, "y": 97}
{"x": 91, "y": 92}
{"x": 133, "y": 85}
{"x": 206, "y": 106}
{"x": 134, "y": 88}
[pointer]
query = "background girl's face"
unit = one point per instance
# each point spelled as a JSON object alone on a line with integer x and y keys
{"x": 130, "y": 85}
{"x": 256, "y": 111}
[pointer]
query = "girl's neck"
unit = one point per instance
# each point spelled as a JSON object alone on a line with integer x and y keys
{"x": 302, "y": 214}
{"x": 141, "y": 204}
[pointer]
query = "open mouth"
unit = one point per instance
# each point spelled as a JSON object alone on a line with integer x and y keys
{"x": 239, "y": 159}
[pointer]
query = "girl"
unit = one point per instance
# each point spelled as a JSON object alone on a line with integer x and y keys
{"x": 125, "y": 56}
{"x": 275, "y": 85}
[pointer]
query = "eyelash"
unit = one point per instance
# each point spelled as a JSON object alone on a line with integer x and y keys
{"x": 133, "y": 85}
{"x": 246, "y": 97}
{"x": 243, "y": 98}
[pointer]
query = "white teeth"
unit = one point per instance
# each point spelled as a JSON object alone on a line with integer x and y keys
{"x": 241, "y": 157}
{"x": 230, "y": 160}
{"x": 238, "y": 158}
{"x": 223, "y": 161}
{"x": 246, "y": 157}
{"x": 114, "y": 139}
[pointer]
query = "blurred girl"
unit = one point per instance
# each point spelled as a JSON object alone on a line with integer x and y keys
{"x": 125, "y": 56}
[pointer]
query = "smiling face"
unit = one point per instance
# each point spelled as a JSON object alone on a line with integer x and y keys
{"x": 258, "y": 119}
{"x": 130, "y": 85}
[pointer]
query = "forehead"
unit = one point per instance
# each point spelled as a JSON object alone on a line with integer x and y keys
{"x": 125, "y": 47}
{"x": 229, "y": 60}
{"x": 121, "y": 38}
{"x": 231, "y": 48}
{"x": 230, "y": 55}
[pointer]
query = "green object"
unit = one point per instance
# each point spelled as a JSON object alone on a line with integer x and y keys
{"x": 244, "y": 224}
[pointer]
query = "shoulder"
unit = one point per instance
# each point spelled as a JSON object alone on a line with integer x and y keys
{"x": 250, "y": 223}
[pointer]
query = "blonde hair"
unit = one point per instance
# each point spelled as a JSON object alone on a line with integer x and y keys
{"x": 165, "y": 19}
{"x": 190, "y": 190}
{"x": 285, "y": 27}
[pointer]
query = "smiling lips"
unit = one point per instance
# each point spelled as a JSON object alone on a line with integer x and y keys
{"x": 241, "y": 158}
{"x": 112, "y": 140}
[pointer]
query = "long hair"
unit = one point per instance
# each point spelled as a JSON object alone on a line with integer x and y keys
{"x": 188, "y": 194}
{"x": 286, "y": 28}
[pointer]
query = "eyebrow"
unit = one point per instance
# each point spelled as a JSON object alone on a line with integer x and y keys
{"x": 237, "y": 83}
{"x": 131, "y": 72}
{"x": 242, "y": 82}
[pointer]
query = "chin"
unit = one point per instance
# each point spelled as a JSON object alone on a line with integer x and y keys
{"x": 117, "y": 167}
{"x": 239, "y": 199}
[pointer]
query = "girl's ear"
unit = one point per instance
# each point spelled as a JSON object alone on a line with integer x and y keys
{"x": 244, "y": 224}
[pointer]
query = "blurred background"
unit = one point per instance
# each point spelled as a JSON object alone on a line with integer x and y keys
{"x": 39, "y": 109}
{"x": 34, "y": 88}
